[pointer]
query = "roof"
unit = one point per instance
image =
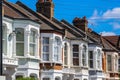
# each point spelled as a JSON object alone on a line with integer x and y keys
{"x": 21, "y": 11}
{"x": 113, "y": 40}
{"x": 107, "y": 46}
{"x": 69, "y": 32}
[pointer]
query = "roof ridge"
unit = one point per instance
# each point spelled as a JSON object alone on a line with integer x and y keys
{"x": 65, "y": 26}
{"x": 38, "y": 14}
{"x": 77, "y": 29}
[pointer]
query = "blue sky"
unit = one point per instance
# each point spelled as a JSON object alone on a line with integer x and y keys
{"x": 103, "y": 15}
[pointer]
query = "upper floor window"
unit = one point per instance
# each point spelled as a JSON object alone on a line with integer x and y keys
{"x": 32, "y": 43}
{"x": 56, "y": 48}
{"x": 46, "y": 48}
{"x": 76, "y": 55}
{"x": 91, "y": 59}
{"x": 98, "y": 59}
{"x": 109, "y": 62}
{"x": 65, "y": 54}
{"x": 4, "y": 40}
{"x": 19, "y": 41}
{"x": 84, "y": 50}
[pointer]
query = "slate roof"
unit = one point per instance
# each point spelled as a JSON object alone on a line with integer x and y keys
{"x": 107, "y": 46}
{"x": 21, "y": 11}
{"x": 114, "y": 40}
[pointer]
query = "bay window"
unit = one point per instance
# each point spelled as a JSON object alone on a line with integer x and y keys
{"x": 4, "y": 40}
{"x": 32, "y": 43}
{"x": 76, "y": 55}
{"x": 91, "y": 58}
{"x": 19, "y": 41}
{"x": 109, "y": 62}
{"x": 84, "y": 50}
{"x": 45, "y": 48}
{"x": 56, "y": 48}
{"x": 65, "y": 54}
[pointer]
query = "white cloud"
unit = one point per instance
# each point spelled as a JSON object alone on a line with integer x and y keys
{"x": 111, "y": 14}
{"x": 92, "y": 19}
{"x": 95, "y": 15}
{"x": 115, "y": 25}
{"x": 104, "y": 33}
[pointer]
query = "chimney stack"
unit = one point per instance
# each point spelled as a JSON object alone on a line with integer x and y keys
{"x": 81, "y": 23}
{"x": 45, "y": 7}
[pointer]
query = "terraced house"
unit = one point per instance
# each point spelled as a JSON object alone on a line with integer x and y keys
{"x": 35, "y": 44}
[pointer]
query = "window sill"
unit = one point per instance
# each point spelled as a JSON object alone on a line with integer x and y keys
{"x": 84, "y": 67}
{"x": 31, "y": 57}
{"x": 51, "y": 62}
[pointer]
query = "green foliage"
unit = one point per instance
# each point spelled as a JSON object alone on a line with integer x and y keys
{"x": 25, "y": 78}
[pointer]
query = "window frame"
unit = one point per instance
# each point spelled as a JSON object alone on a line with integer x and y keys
{"x": 34, "y": 43}
{"x": 74, "y": 56}
{"x": 20, "y": 42}
{"x": 109, "y": 65}
{"x": 116, "y": 63}
{"x": 46, "y": 53}
{"x": 98, "y": 59}
{"x": 57, "y": 48}
{"x": 65, "y": 54}
{"x": 91, "y": 59}
{"x": 4, "y": 39}
{"x": 84, "y": 55}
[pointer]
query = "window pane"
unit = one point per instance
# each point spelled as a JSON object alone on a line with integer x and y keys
{"x": 65, "y": 60}
{"x": 45, "y": 40}
{"x": 109, "y": 61}
{"x": 19, "y": 34}
{"x": 32, "y": 49}
{"x": 65, "y": 54}
{"x": 4, "y": 39}
{"x": 32, "y": 36}
{"x": 56, "y": 57}
{"x": 84, "y": 55}
{"x": 84, "y": 62}
{"x": 91, "y": 63}
{"x": 91, "y": 59}
{"x": 98, "y": 55}
{"x": 4, "y": 47}
{"x": 75, "y": 48}
{"x": 56, "y": 48}
{"x": 20, "y": 49}
{"x": 76, "y": 61}
{"x": 90, "y": 54}
{"x": 46, "y": 57}
{"x": 45, "y": 48}
{"x": 75, "y": 55}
